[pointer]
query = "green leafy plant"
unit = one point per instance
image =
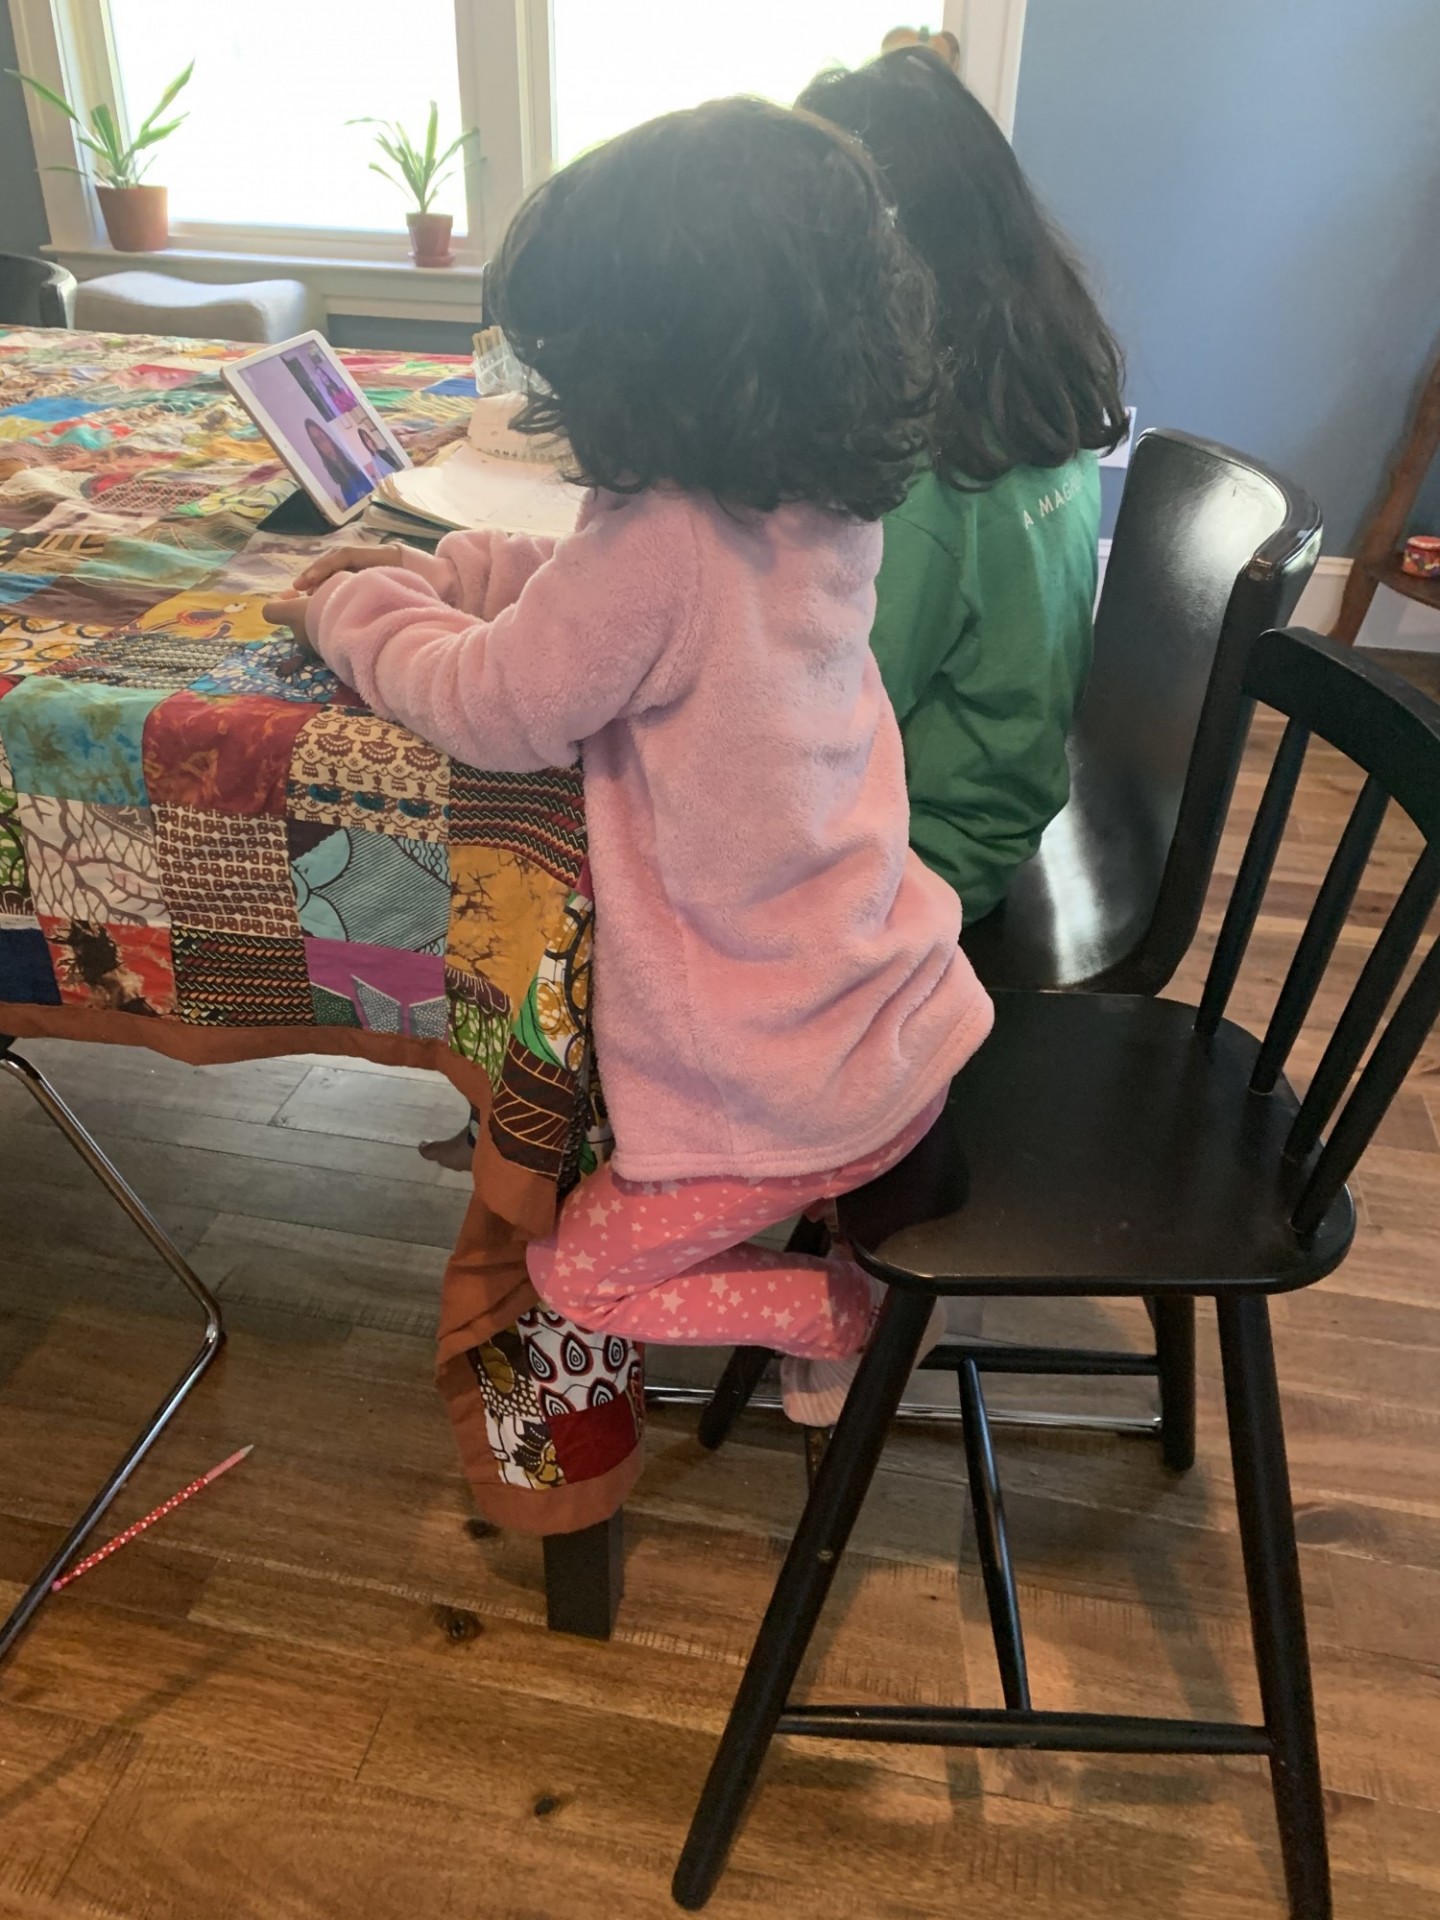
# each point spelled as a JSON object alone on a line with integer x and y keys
{"x": 418, "y": 168}
{"x": 118, "y": 162}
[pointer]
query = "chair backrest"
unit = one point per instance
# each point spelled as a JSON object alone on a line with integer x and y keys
{"x": 1392, "y": 732}
{"x": 35, "y": 293}
{"x": 1210, "y": 549}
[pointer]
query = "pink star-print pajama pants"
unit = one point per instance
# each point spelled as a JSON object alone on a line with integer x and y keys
{"x": 668, "y": 1260}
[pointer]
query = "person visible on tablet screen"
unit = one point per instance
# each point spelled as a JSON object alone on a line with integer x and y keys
{"x": 341, "y": 399}
{"x": 736, "y": 344}
{"x": 346, "y": 478}
{"x": 382, "y": 460}
{"x": 300, "y": 374}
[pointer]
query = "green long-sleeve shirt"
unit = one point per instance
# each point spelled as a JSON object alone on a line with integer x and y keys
{"x": 983, "y": 634}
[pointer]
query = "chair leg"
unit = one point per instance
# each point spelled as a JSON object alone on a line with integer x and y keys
{"x": 732, "y": 1394}
{"x": 746, "y": 1364}
{"x": 1277, "y": 1610}
{"x": 992, "y": 1540}
{"x": 1174, "y": 1319}
{"x": 817, "y": 1439}
{"x": 124, "y": 1195}
{"x": 840, "y": 1487}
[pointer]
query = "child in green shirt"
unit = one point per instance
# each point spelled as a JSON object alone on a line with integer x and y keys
{"x": 984, "y": 598}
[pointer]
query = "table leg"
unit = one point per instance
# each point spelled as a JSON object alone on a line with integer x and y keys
{"x": 585, "y": 1577}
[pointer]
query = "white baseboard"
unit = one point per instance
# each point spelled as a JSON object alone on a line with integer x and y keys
{"x": 1393, "y": 621}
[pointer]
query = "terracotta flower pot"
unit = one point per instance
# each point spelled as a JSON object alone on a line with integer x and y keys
{"x": 137, "y": 219}
{"x": 430, "y": 239}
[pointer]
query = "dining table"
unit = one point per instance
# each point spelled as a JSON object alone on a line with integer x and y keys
{"x": 211, "y": 851}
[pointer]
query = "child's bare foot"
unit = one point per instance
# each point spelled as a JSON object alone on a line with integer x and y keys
{"x": 456, "y": 1153}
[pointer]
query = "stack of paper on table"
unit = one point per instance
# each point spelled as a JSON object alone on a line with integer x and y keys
{"x": 484, "y": 481}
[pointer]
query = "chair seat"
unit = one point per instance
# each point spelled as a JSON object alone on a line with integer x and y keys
{"x": 1097, "y": 1144}
{"x": 256, "y": 310}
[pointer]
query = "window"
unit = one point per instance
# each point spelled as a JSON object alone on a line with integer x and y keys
{"x": 266, "y": 143}
{"x": 266, "y": 165}
{"x": 618, "y": 62}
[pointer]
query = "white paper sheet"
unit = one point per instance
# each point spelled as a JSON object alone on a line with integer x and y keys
{"x": 466, "y": 489}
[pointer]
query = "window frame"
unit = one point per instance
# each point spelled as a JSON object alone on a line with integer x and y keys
{"x": 506, "y": 71}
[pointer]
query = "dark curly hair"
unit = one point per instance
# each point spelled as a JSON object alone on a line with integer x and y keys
{"x": 1031, "y": 371}
{"x": 720, "y": 300}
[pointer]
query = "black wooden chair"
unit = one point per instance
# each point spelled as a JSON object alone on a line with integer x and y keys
{"x": 1210, "y": 549}
{"x": 35, "y": 293}
{"x": 1107, "y": 1144}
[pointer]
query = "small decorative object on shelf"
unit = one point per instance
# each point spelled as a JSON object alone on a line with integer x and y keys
{"x": 419, "y": 176}
{"x": 943, "y": 45}
{"x": 1421, "y": 557}
{"x": 137, "y": 217}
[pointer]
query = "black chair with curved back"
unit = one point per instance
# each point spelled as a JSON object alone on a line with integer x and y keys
{"x": 1210, "y": 549}
{"x": 1119, "y": 1144}
{"x": 35, "y": 293}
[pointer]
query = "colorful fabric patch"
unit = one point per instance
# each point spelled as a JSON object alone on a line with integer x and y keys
{"x": 514, "y": 1423}
{"x": 353, "y": 885}
{"x": 504, "y": 914}
{"x": 540, "y": 816}
{"x": 554, "y": 1019}
{"x": 20, "y": 586}
{"x": 479, "y": 1020}
{"x": 269, "y": 668}
{"x": 208, "y": 616}
{"x": 240, "y": 979}
{"x": 17, "y": 908}
{"x": 77, "y": 741}
{"x": 382, "y": 988}
{"x": 23, "y": 651}
{"x": 27, "y": 971}
{"x": 355, "y": 770}
{"x": 598, "y": 1436}
{"x": 104, "y": 604}
{"x": 226, "y": 872}
{"x": 150, "y": 494}
{"x": 223, "y": 756}
{"x": 160, "y": 662}
{"x": 533, "y": 1111}
{"x": 90, "y": 862}
{"x": 52, "y": 407}
{"x": 118, "y": 969}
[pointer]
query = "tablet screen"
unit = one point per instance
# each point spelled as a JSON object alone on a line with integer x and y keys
{"x": 300, "y": 392}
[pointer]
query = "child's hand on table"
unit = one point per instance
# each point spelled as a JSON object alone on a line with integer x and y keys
{"x": 290, "y": 609}
{"x": 343, "y": 560}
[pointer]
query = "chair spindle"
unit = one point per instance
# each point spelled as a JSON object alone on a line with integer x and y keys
{"x": 1356, "y": 1026}
{"x": 1394, "y": 1055}
{"x": 1254, "y": 875}
{"x": 1322, "y": 930}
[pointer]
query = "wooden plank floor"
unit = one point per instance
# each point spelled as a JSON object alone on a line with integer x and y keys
{"x": 313, "y": 1692}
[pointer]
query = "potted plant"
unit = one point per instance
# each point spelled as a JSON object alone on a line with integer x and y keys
{"x": 137, "y": 217}
{"x": 420, "y": 178}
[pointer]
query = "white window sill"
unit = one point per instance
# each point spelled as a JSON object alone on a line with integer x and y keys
{"x": 386, "y": 289}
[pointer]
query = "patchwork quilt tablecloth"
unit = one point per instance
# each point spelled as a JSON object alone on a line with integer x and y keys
{"x": 204, "y": 854}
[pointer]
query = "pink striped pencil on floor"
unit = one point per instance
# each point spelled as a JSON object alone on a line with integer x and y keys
{"x": 175, "y": 1500}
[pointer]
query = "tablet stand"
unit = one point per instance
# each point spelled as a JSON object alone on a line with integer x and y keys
{"x": 297, "y": 513}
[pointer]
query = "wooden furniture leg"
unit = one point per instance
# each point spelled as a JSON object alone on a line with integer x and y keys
{"x": 585, "y": 1577}
{"x": 1375, "y": 560}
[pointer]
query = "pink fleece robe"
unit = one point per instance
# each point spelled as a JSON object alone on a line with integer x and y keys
{"x": 778, "y": 987}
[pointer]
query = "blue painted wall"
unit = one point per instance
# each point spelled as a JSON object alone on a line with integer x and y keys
{"x": 1256, "y": 187}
